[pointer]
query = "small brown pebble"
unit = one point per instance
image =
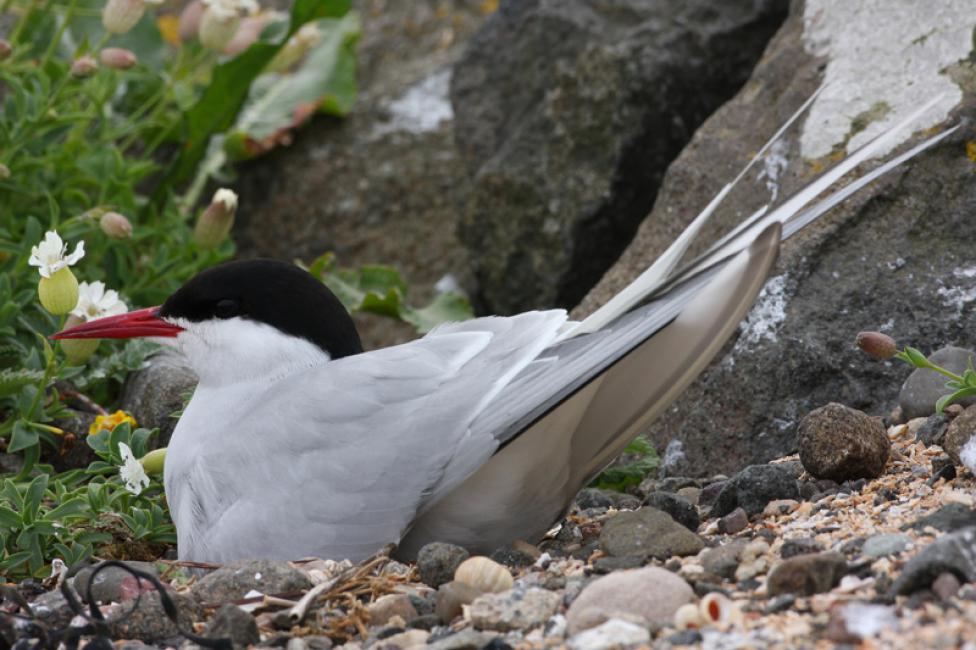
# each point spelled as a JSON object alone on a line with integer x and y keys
{"x": 734, "y": 522}
{"x": 946, "y": 585}
{"x": 953, "y": 410}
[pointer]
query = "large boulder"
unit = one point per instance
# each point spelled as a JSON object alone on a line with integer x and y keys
{"x": 382, "y": 185}
{"x": 567, "y": 113}
{"x": 896, "y": 258}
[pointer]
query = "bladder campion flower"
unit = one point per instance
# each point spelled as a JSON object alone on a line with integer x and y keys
{"x": 58, "y": 288}
{"x": 220, "y": 21}
{"x": 84, "y": 66}
{"x": 117, "y": 58}
{"x": 115, "y": 225}
{"x": 131, "y": 471}
{"x": 109, "y": 422}
{"x": 119, "y": 16}
{"x": 215, "y": 222}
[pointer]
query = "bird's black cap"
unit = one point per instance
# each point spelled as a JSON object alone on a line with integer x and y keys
{"x": 271, "y": 292}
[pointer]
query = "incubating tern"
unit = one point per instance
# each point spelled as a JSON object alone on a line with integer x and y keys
{"x": 297, "y": 443}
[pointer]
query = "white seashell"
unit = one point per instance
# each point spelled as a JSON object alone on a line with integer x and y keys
{"x": 688, "y": 617}
{"x": 716, "y": 608}
{"x": 484, "y": 574}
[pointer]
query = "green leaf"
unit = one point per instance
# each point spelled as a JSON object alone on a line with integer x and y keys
{"x": 12, "y": 381}
{"x": 34, "y": 496}
{"x": 945, "y": 400}
{"x": 71, "y": 508}
{"x": 445, "y": 308}
{"x": 22, "y": 437}
{"x": 9, "y": 519}
{"x": 915, "y": 357}
{"x": 620, "y": 477}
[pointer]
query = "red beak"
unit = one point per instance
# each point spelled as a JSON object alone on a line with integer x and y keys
{"x": 142, "y": 322}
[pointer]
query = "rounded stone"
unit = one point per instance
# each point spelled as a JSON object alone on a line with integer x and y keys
{"x": 840, "y": 443}
{"x": 648, "y": 532}
{"x": 437, "y": 562}
{"x": 960, "y": 431}
{"x": 650, "y": 595}
{"x": 924, "y": 387}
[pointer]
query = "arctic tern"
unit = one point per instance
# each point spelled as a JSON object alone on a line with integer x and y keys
{"x": 297, "y": 443}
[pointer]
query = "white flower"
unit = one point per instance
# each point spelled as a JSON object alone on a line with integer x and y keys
{"x": 51, "y": 255}
{"x": 229, "y": 9}
{"x": 95, "y": 302}
{"x": 131, "y": 471}
{"x": 227, "y": 197}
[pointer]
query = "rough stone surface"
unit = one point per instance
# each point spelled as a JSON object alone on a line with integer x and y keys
{"x": 233, "y": 581}
{"x": 451, "y": 597}
{"x": 610, "y": 635}
{"x": 390, "y": 605}
{"x": 111, "y": 583}
{"x": 954, "y": 553}
{"x": 598, "y": 498}
{"x": 924, "y": 387}
{"x": 723, "y": 560}
{"x": 900, "y": 251}
{"x": 515, "y": 609}
{"x": 232, "y": 622}
{"x": 680, "y": 509}
{"x": 153, "y": 393}
{"x": 148, "y": 621}
{"x": 885, "y": 544}
{"x": 799, "y": 546}
{"x": 948, "y": 518}
{"x": 733, "y": 522}
{"x": 382, "y": 185}
{"x": 437, "y": 561}
{"x": 648, "y": 532}
{"x": 464, "y": 640}
{"x": 933, "y": 430}
{"x": 754, "y": 487}
{"x": 842, "y": 444}
{"x": 567, "y": 113}
{"x": 961, "y": 430}
{"x": 650, "y": 595}
{"x": 806, "y": 575}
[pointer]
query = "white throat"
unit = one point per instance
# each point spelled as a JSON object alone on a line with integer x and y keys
{"x": 225, "y": 352}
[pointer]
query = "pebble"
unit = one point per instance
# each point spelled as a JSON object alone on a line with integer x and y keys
{"x": 780, "y": 507}
{"x": 650, "y": 595}
{"x": 841, "y": 443}
{"x": 407, "y": 639}
{"x": 885, "y": 544}
{"x": 933, "y": 430}
{"x": 952, "y": 552}
{"x": 648, "y": 532}
{"x": 723, "y": 560}
{"x": 710, "y": 492}
{"x": 111, "y": 584}
{"x": 451, "y": 597}
{"x": 464, "y": 640}
{"x": 799, "y": 546}
{"x": 232, "y": 622}
{"x": 233, "y": 581}
{"x": 516, "y": 609}
{"x": 959, "y": 432}
{"x": 948, "y": 518}
{"x": 438, "y": 561}
{"x": 390, "y": 605}
{"x": 734, "y": 522}
{"x": 923, "y": 387}
{"x": 855, "y": 621}
{"x": 754, "y": 487}
{"x": 148, "y": 622}
{"x": 610, "y": 635}
{"x": 680, "y": 509}
{"x": 690, "y": 493}
{"x": 600, "y": 498}
{"x": 805, "y": 575}
{"x": 946, "y": 585}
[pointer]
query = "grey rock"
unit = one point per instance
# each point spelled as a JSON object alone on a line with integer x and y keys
{"x": 609, "y": 563}
{"x": 395, "y": 179}
{"x": 924, "y": 387}
{"x": 437, "y": 562}
{"x": 692, "y": 494}
{"x": 723, "y": 560}
{"x": 451, "y": 597}
{"x": 232, "y": 622}
{"x": 933, "y": 430}
{"x": 842, "y": 444}
{"x": 512, "y": 557}
{"x": 516, "y": 609}
{"x": 948, "y": 518}
{"x": 885, "y": 544}
{"x": 847, "y": 274}
{"x": 805, "y": 575}
{"x": 754, "y": 487}
{"x": 612, "y": 635}
{"x": 946, "y": 585}
{"x": 148, "y": 621}
{"x": 233, "y": 581}
{"x": 560, "y": 117}
{"x": 734, "y": 522}
{"x": 52, "y": 609}
{"x": 648, "y": 532}
{"x": 464, "y": 640}
{"x": 153, "y": 393}
{"x": 388, "y": 606}
{"x": 599, "y": 498}
{"x": 710, "y": 492}
{"x": 108, "y": 585}
{"x": 959, "y": 432}
{"x": 954, "y": 553}
{"x": 651, "y": 595}
{"x": 680, "y": 509}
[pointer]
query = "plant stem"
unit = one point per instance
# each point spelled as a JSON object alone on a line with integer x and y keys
{"x": 68, "y": 15}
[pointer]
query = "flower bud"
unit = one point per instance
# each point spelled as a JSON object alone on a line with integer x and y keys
{"x": 5, "y": 49}
{"x": 59, "y": 293}
{"x": 217, "y": 31}
{"x": 119, "y": 16}
{"x": 190, "y": 20}
{"x": 117, "y": 58}
{"x": 78, "y": 351}
{"x": 215, "y": 222}
{"x": 84, "y": 66}
{"x": 878, "y": 345}
{"x": 154, "y": 461}
{"x": 4, "y": 172}
{"x": 115, "y": 225}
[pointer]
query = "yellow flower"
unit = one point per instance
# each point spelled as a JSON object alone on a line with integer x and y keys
{"x": 109, "y": 422}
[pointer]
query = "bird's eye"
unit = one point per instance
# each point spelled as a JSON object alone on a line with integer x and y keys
{"x": 227, "y": 308}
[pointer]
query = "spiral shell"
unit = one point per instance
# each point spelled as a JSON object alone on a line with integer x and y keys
{"x": 484, "y": 574}
{"x": 688, "y": 617}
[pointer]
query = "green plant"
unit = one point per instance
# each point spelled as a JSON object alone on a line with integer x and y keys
{"x": 882, "y": 346}
{"x": 640, "y": 459}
